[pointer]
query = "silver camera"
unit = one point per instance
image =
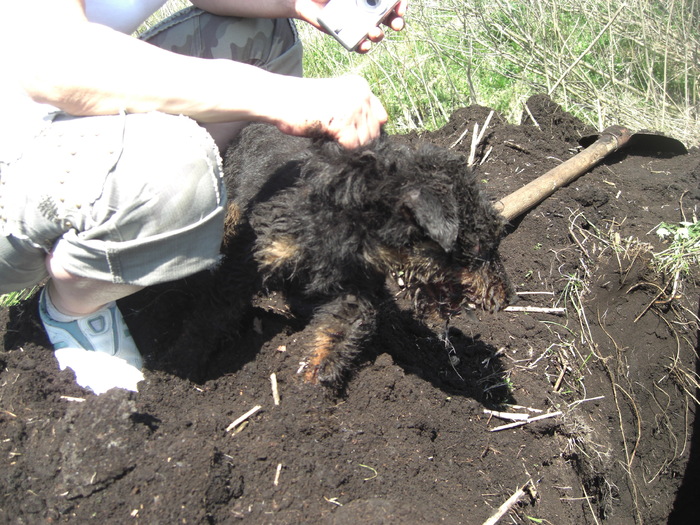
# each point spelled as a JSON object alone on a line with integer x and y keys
{"x": 349, "y": 21}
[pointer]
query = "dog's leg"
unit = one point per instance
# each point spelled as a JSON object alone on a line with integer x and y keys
{"x": 340, "y": 328}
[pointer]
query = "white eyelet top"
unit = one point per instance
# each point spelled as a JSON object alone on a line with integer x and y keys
{"x": 123, "y": 15}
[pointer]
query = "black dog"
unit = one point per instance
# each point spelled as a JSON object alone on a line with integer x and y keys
{"x": 332, "y": 226}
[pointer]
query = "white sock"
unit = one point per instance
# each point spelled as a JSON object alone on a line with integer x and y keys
{"x": 53, "y": 311}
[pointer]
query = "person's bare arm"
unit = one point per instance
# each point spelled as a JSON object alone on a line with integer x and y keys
{"x": 89, "y": 69}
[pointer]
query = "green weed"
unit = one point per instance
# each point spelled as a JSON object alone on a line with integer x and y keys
{"x": 14, "y": 298}
{"x": 682, "y": 258}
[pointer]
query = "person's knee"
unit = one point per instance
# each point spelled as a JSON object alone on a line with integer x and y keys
{"x": 189, "y": 193}
{"x": 173, "y": 169}
{"x": 21, "y": 264}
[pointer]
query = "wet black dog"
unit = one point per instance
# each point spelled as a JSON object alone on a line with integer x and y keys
{"x": 332, "y": 226}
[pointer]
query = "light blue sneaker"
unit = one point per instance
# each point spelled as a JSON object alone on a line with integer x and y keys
{"x": 97, "y": 347}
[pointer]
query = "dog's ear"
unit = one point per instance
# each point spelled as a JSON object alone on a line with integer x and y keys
{"x": 436, "y": 214}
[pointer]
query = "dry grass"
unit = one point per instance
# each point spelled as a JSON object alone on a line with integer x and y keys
{"x": 594, "y": 345}
{"x": 608, "y": 63}
{"x": 633, "y": 63}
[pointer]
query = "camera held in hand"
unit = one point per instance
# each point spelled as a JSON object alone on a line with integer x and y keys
{"x": 349, "y": 21}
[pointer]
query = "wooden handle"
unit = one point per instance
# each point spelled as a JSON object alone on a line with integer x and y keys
{"x": 530, "y": 195}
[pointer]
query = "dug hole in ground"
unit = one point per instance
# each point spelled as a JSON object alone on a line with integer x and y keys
{"x": 601, "y": 340}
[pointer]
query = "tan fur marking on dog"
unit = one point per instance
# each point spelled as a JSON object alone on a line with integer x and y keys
{"x": 323, "y": 346}
{"x": 231, "y": 221}
{"x": 277, "y": 251}
{"x": 382, "y": 257}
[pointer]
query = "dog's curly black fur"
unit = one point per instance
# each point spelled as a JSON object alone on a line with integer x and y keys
{"x": 332, "y": 226}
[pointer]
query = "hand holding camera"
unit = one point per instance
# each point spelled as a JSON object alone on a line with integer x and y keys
{"x": 351, "y": 22}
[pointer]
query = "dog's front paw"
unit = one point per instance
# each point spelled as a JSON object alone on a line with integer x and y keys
{"x": 328, "y": 362}
{"x": 340, "y": 328}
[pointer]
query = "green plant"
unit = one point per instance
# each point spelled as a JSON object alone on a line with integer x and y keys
{"x": 14, "y": 298}
{"x": 682, "y": 257}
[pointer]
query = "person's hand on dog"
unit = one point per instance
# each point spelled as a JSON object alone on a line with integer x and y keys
{"x": 344, "y": 109}
{"x": 127, "y": 74}
{"x": 308, "y": 10}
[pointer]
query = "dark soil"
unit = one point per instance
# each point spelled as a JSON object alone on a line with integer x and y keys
{"x": 408, "y": 440}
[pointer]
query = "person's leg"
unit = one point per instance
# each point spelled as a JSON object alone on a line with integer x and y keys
{"x": 164, "y": 191}
{"x": 118, "y": 203}
{"x": 270, "y": 44}
{"x": 80, "y": 296}
{"x": 103, "y": 242}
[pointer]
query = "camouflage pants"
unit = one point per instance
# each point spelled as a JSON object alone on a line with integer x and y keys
{"x": 131, "y": 198}
{"x": 270, "y": 44}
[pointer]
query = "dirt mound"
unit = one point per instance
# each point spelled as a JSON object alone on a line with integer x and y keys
{"x": 613, "y": 350}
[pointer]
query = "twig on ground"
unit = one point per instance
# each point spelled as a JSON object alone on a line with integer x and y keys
{"x": 477, "y": 137}
{"x": 486, "y": 155}
{"x": 655, "y": 300}
{"x": 535, "y": 309}
{"x": 557, "y": 383}
{"x": 588, "y": 500}
{"x": 579, "y": 401}
{"x": 464, "y": 134}
{"x": 526, "y": 421}
{"x": 529, "y": 409}
{"x": 509, "y": 503}
{"x": 75, "y": 399}
{"x": 507, "y": 415}
{"x": 516, "y": 147}
{"x": 243, "y": 418}
{"x": 474, "y": 144}
{"x": 534, "y": 120}
{"x": 277, "y": 474}
{"x": 275, "y": 391}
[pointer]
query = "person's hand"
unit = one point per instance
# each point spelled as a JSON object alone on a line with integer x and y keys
{"x": 344, "y": 109}
{"x": 308, "y": 10}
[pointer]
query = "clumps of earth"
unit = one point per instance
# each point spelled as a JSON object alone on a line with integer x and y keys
{"x": 594, "y": 376}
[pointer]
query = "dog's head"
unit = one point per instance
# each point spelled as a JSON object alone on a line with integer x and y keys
{"x": 427, "y": 225}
